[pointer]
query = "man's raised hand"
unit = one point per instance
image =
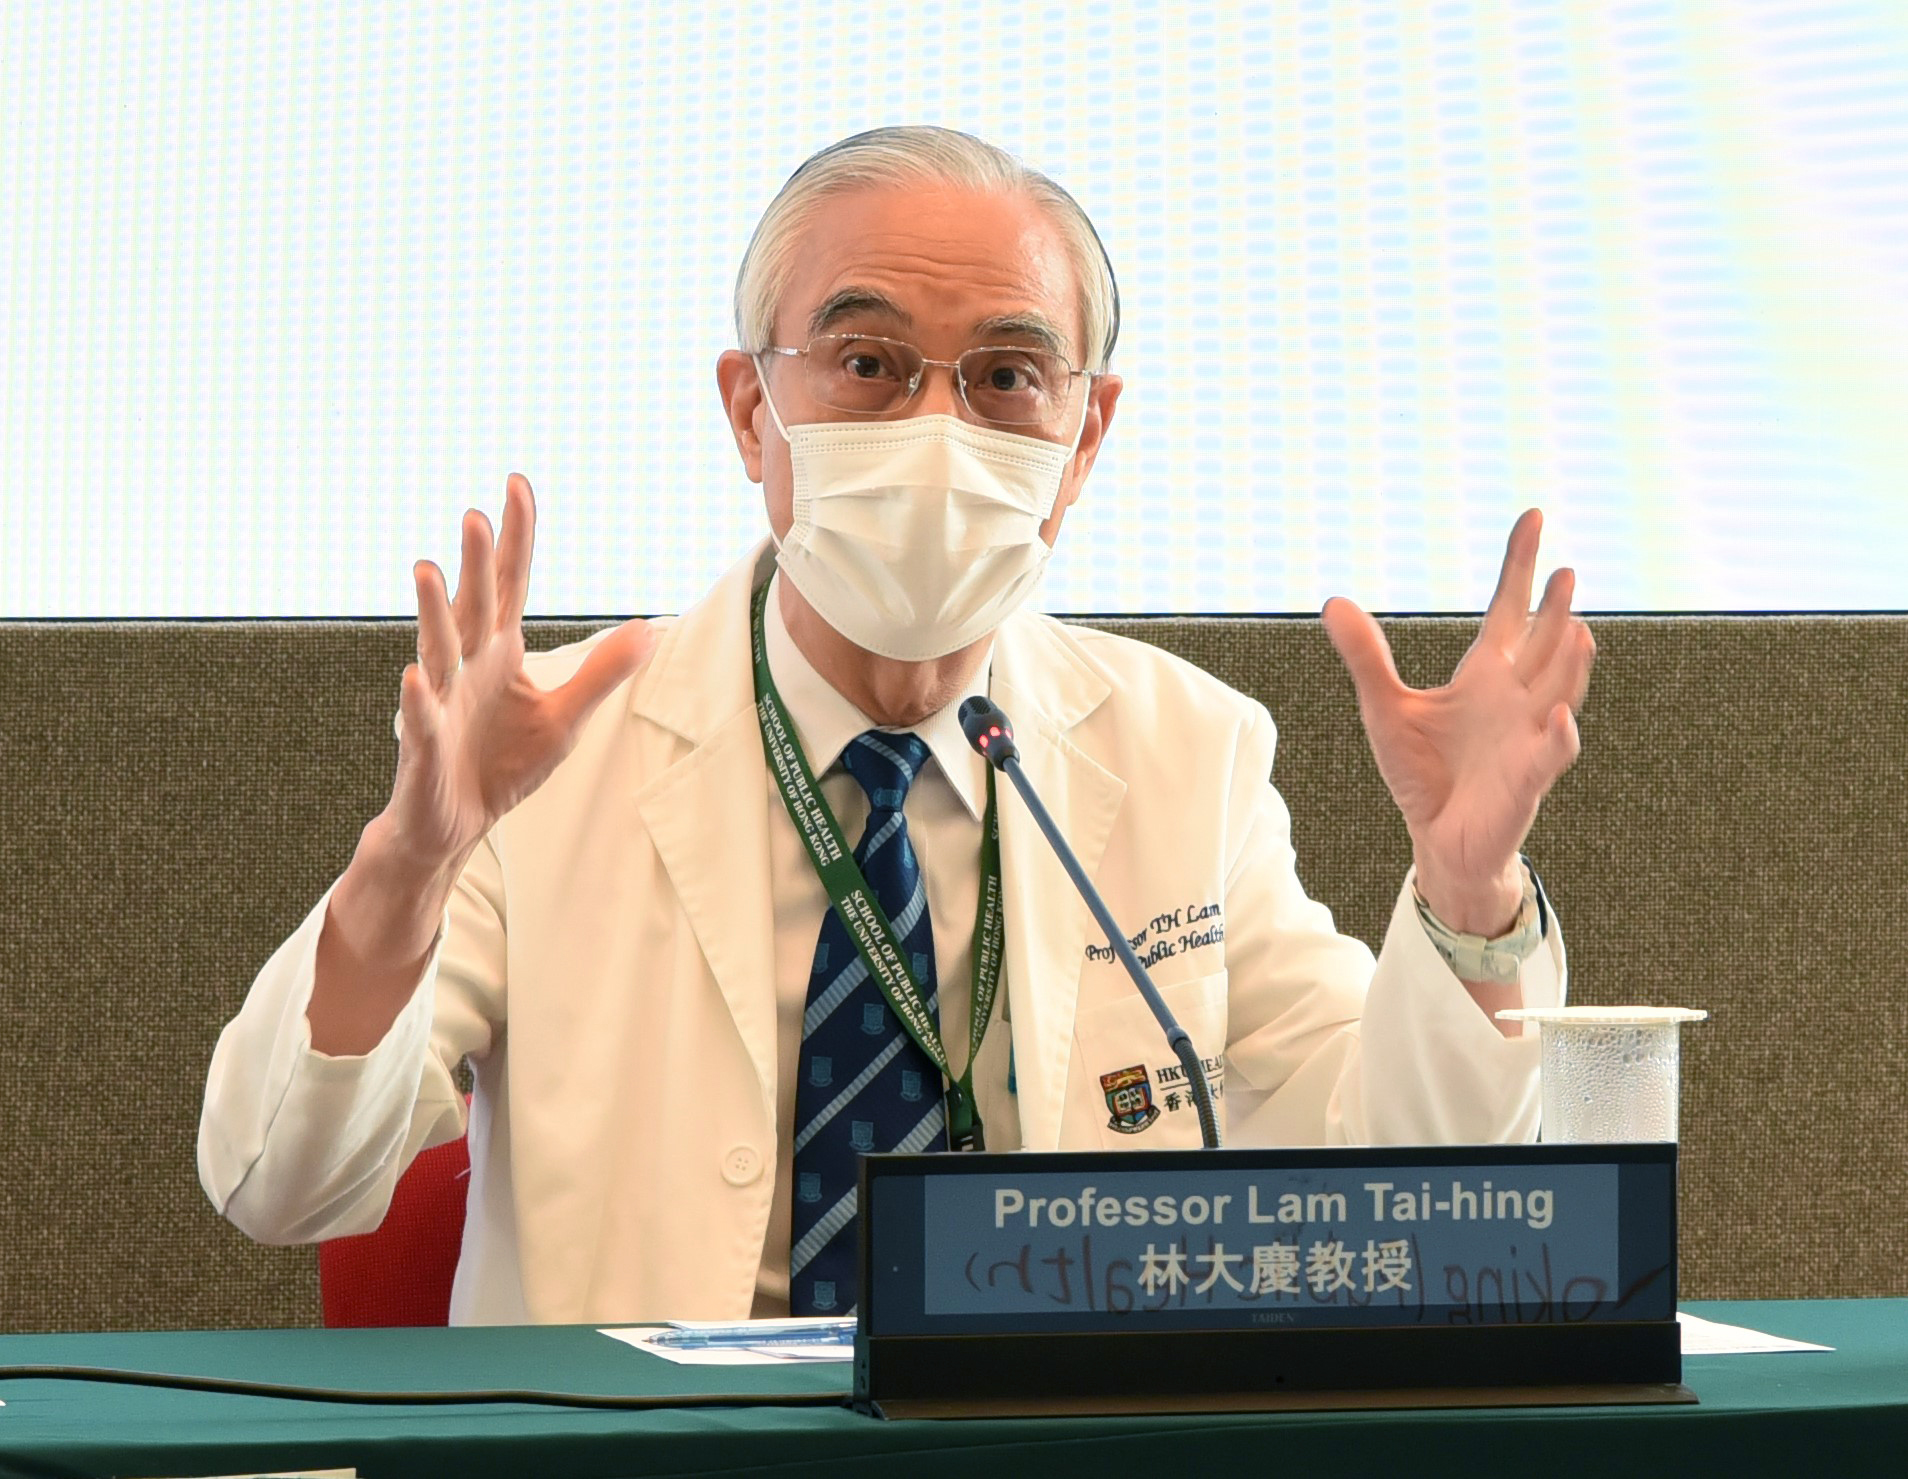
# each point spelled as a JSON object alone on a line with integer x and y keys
{"x": 477, "y": 735}
{"x": 1469, "y": 763}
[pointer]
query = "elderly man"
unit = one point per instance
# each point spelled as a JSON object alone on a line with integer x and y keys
{"x": 617, "y": 877}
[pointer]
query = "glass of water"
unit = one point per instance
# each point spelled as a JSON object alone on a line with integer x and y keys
{"x": 1609, "y": 1073}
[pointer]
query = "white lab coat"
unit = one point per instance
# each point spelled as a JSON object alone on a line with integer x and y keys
{"x": 606, "y": 964}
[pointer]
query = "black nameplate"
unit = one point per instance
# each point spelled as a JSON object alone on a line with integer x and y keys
{"x": 1226, "y": 1280}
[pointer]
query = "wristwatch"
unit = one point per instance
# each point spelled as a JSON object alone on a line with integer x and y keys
{"x": 1499, "y": 961}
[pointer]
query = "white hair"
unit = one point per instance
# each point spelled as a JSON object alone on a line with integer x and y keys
{"x": 910, "y": 156}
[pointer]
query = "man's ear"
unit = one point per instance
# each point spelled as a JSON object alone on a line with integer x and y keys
{"x": 740, "y": 382}
{"x": 1103, "y": 395}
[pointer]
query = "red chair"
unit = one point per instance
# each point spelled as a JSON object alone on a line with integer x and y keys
{"x": 400, "y": 1273}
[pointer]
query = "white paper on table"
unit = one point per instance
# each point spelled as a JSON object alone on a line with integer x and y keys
{"x": 643, "y": 1338}
{"x": 833, "y": 1351}
{"x": 1701, "y": 1337}
{"x": 1711, "y": 1338}
{"x": 289, "y": 1474}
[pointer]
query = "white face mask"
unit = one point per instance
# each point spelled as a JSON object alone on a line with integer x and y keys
{"x": 915, "y": 538}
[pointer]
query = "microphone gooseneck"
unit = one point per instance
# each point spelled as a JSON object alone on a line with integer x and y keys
{"x": 991, "y": 734}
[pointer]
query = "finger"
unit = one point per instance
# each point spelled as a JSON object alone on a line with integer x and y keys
{"x": 1552, "y": 621}
{"x": 1509, "y": 610}
{"x": 610, "y": 662}
{"x": 1562, "y": 742}
{"x": 418, "y": 710}
{"x": 1362, "y": 647}
{"x": 437, "y": 641}
{"x": 514, "y": 546}
{"x": 476, "y": 604}
{"x": 1567, "y": 679}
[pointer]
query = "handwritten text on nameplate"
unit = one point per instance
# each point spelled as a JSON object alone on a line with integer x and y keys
{"x": 1351, "y": 1246}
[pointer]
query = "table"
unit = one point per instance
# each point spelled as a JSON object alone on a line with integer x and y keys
{"x": 1840, "y": 1413}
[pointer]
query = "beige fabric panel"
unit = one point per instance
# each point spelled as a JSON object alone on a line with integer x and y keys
{"x": 173, "y": 797}
{"x": 1731, "y": 838}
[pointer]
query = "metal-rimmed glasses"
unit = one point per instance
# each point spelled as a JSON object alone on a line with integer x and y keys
{"x": 1002, "y": 384}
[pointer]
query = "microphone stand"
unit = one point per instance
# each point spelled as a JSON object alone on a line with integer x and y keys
{"x": 989, "y": 732}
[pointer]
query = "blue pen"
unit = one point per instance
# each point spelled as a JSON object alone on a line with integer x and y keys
{"x": 740, "y": 1337}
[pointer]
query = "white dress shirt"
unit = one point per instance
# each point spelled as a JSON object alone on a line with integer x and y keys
{"x": 943, "y": 809}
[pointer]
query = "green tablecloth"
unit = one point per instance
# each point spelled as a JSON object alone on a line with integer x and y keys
{"x": 1840, "y": 1413}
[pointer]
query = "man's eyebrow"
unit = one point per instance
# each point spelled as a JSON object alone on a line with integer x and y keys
{"x": 1035, "y": 326}
{"x": 851, "y": 301}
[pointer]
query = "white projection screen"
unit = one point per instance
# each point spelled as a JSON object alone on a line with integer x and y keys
{"x": 287, "y": 286}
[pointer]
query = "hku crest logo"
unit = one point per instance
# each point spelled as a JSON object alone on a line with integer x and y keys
{"x": 871, "y": 1015}
{"x": 861, "y": 1134}
{"x": 911, "y": 1086}
{"x": 821, "y": 1071}
{"x": 808, "y": 1188}
{"x": 1129, "y": 1094}
{"x": 824, "y": 1294}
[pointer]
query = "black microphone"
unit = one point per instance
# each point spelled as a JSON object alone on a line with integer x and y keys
{"x": 989, "y": 732}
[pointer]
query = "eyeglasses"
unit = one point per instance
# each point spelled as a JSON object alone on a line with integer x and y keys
{"x": 1009, "y": 385}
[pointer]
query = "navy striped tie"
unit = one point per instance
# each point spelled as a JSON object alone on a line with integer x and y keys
{"x": 864, "y": 1085}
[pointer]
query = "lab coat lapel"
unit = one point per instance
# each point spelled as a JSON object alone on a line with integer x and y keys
{"x": 1046, "y": 687}
{"x": 707, "y": 813}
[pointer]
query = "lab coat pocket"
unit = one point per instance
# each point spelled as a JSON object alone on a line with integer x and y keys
{"x": 1145, "y": 1102}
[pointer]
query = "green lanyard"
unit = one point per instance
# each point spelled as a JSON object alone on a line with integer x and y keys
{"x": 867, "y": 922}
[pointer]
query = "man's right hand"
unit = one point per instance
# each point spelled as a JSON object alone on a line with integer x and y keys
{"x": 476, "y": 737}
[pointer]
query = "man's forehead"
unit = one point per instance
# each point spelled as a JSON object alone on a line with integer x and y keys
{"x": 860, "y": 305}
{"x": 937, "y": 258}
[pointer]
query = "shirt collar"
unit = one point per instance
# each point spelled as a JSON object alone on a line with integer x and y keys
{"x": 826, "y": 723}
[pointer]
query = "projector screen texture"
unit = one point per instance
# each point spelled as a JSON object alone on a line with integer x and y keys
{"x": 287, "y": 287}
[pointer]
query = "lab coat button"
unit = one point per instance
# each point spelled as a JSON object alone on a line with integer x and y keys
{"x": 741, "y": 1165}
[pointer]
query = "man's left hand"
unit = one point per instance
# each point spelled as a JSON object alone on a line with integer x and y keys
{"x": 1469, "y": 763}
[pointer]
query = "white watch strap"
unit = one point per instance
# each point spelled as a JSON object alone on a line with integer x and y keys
{"x": 1475, "y": 958}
